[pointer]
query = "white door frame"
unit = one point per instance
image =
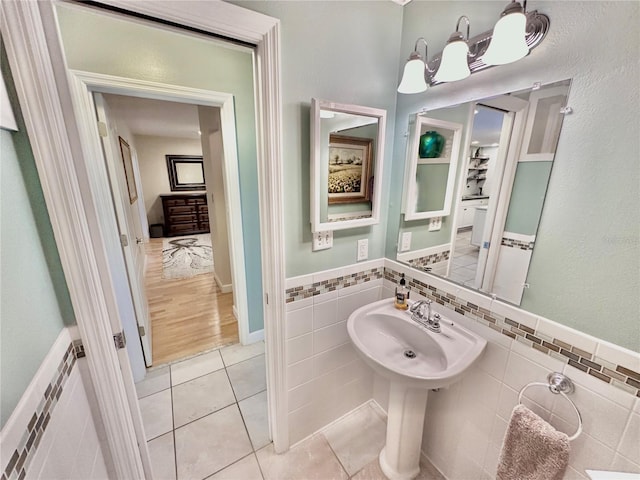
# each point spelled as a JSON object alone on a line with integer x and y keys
{"x": 37, "y": 65}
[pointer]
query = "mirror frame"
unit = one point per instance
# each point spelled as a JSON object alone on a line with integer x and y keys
{"x": 410, "y": 191}
{"x": 174, "y": 183}
{"x": 317, "y": 163}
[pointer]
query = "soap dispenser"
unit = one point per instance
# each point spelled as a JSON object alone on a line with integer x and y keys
{"x": 402, "y": 294}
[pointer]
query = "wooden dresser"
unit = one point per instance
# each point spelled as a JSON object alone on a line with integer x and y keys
{"x": 185, "y": 214}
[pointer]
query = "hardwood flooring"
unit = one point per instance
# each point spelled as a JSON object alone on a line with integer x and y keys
{"x": 188, "y": 316}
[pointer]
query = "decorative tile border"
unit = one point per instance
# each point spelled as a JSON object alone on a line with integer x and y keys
{"x": 28, "y": 445}
{"x": 422, "y": 262}
{"x": 617, "y": 375}
{"x": 510, "y": 242}
{"x": 317, "y": 288}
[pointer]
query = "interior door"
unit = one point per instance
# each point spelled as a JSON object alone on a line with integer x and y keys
{"x": 127, "y": 214}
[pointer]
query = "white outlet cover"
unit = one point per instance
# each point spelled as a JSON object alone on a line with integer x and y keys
{"x": 363, "y": 249}
{"x": 322, "y": 240}
{"x": 405, "y": 242}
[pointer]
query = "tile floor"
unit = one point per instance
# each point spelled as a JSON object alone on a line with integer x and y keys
{"x": 464, "y": 262}
{"x": 206, "y": 417}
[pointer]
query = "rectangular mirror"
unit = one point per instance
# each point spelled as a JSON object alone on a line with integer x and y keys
{"x": 347, "y": 149}
{"x": 430, "y": 172}
{"x": 505, "y": 167}
{"x": 186, "y": 172}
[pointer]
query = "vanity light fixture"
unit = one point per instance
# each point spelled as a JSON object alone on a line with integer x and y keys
{"x": 413, "y": 77}
{"x": 454, "y": 65}
{"x": 493, "y": 47}
{"x": 508, "y": 42}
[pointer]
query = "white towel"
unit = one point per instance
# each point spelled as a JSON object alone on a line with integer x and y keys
{"x": 532, "y": 449}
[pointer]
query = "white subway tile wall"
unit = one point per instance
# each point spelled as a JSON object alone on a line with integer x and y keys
{"x": 465, "y": 423}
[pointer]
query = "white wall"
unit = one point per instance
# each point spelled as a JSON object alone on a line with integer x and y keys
{"x": 153, "y": 168}
{"x": 213, "y": 155}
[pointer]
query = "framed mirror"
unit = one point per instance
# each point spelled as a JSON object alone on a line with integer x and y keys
{"x": 505, "y": 166}
{"x": 186, "y": 173}
{"x": 347, "y": 150}
{"x": 430, "y": 172}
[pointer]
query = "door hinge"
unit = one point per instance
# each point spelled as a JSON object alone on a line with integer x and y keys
{"x": 486, "y": 244}
{"x": 124, "y": 241}
{"x": 119, "y": 340}
{"x": 102, "y": 129}
{"x": 266, "y": 298}
{"x": 141, "y": 331}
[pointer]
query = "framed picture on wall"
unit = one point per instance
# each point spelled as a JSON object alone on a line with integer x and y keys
{"x": 349, "y": 167}
{"x": 186, "y": 172}
{"x": 125, "y": 151}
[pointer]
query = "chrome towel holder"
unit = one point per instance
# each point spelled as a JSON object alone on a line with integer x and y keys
{"x": 558, "y": 383}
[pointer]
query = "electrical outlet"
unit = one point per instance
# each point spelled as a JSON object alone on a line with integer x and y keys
{"x": 322, "y": 240}
{"x": 405, "y": 242}
{"x": 363, "y": 249}
{"x": 435, "y": 224}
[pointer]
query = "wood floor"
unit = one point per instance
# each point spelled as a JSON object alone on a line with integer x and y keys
{"x": 188, "y": 316}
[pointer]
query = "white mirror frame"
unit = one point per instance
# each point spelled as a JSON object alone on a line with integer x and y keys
{"x": 317, "y": 163}
{"x": 410, "y": 191}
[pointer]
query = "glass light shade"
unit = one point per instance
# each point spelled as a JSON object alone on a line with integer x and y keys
{"x": 508, "y": 42}
{"x": 453, "y": 65}
{"x": 413, "y": 77}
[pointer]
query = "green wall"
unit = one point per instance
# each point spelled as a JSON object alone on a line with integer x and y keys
{"x": 527, "y": 197}
{"x": 585, "y": 269}
{"x": 131, "y": 49}
{"x": 34, "y": 301}
{"x": 345, "y": 52}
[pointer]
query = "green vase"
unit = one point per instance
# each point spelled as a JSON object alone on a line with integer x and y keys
{"x": 431, "y": 145}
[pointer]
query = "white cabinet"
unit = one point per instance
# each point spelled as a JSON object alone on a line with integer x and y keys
{"x": 467, "y": 211}
{"x": 479, "y": 220}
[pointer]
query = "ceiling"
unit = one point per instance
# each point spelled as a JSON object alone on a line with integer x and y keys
{"x": 155, "y": 117}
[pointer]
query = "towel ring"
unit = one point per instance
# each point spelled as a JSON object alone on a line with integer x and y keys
{"x": 557, "y": 383}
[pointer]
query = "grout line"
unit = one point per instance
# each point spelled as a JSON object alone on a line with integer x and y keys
{"x": 344, "y": 469}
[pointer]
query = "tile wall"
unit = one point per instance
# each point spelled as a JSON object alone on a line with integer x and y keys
{"x": 52, "y": 432}
{"x": 465, "y": 424}
{"x": 326, "y": 379}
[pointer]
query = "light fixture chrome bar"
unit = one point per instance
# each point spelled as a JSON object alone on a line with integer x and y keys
{"x": 537, "y": 28}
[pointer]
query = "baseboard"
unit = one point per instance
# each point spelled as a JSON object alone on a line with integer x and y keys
{"x": 235, "y": 312}
{"x": 256, "y": 336}
{"x": 223, "y": 288}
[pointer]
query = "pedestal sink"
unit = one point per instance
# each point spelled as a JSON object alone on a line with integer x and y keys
{"x": 415, "y": 360}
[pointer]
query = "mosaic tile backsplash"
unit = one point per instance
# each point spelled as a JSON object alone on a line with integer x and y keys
{"x": 317, "y": 288}
{"x": 429, "y": 259}
{"x": 616, "y": 375}
{"x": 510, "y": 242}
{"x": 22, "y": 456}
{"x": 619, "y": 376}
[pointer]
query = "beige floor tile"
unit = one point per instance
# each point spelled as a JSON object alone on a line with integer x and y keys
{"x": 196, "y": 367}
{"x": 154, "y": 381}
{"x": 248, "y": 377}
{"x": 254, "y": 412}
{"x": 310, "y": 460}
{"x": 357, "y": 439}
{"x": 211, "y": 443}
{"x": 372, "y": 471}
{"x": 201, "y": 396}
{"x": 163, "y": 460}
{"x": 156, "y": 414}
{"x": 238, "y": 353}
{"x": 245, "y": 469}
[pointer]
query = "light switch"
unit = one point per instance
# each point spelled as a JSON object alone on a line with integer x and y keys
{"x": 435, "y": 224}
{"x": 363, "y": 249}
{"x": 405, "y": 242}
{"x": 322, "y": 240}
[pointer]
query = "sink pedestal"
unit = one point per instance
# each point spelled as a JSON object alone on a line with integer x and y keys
{"x": 400, "y": 457}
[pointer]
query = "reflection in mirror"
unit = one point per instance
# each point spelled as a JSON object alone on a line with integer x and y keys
{"x": 347, "y": 146}
{"x": 432, "y": 160}
{"x": 505, "y": 167}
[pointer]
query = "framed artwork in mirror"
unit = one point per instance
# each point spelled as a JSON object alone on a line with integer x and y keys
{"x": 349, "y": 166}
{"x": 186, "y": 172}
{"x": 125, "y": 152}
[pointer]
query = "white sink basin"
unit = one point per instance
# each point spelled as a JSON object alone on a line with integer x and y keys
{"x": 387, "y": 338}
{"x": 415, "y": 360}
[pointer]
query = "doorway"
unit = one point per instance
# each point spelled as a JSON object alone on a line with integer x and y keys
{"x": 185, "y": 274}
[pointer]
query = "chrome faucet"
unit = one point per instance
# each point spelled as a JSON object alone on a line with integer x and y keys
{"x": 421, "y": 314}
